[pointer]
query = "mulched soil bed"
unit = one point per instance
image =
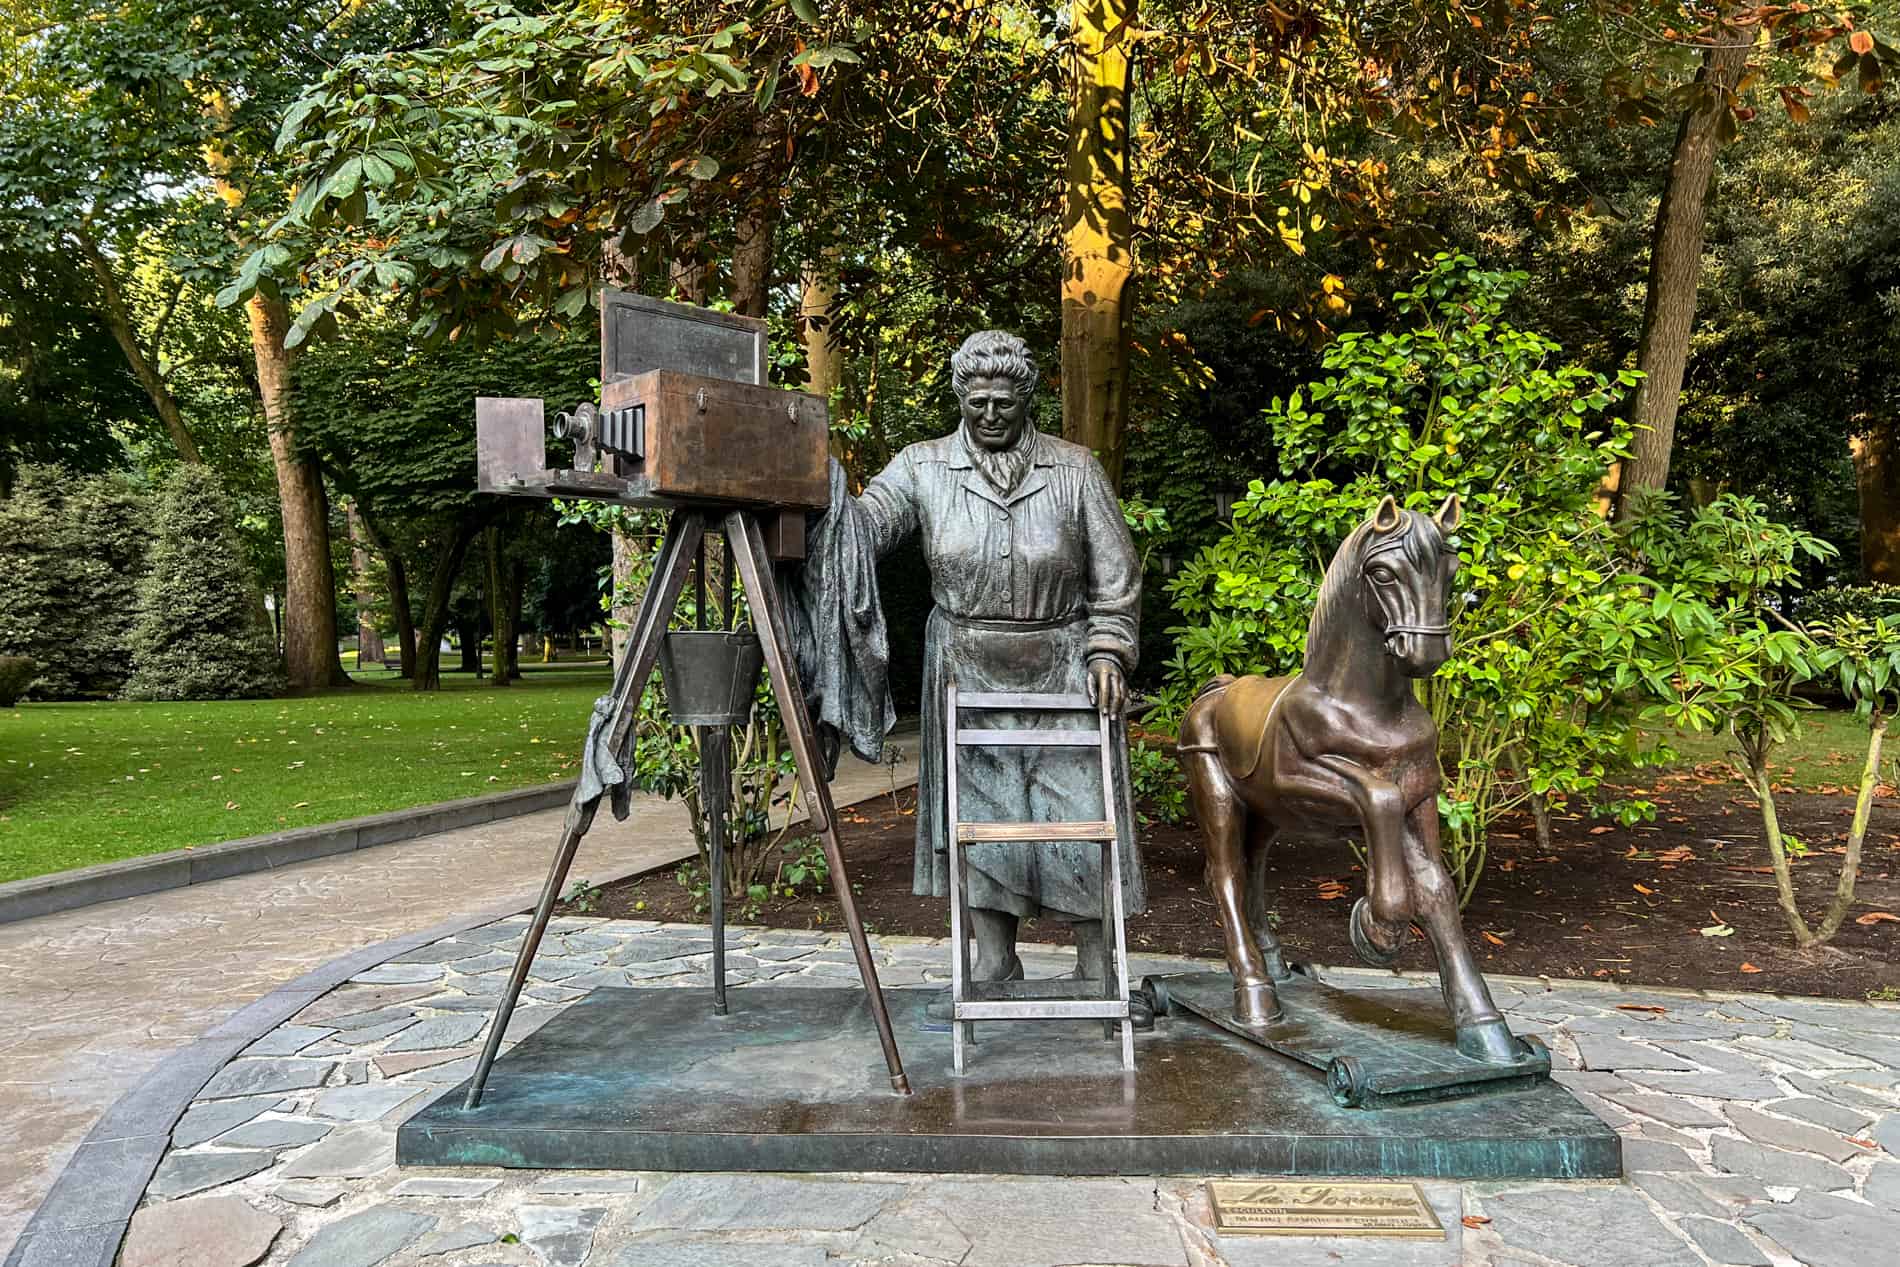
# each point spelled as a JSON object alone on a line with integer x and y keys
{"x": 1620, "y": 903}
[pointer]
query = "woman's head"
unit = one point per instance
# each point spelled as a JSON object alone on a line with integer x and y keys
{"x": 993, "y": 377}
{"x": 993, "y": 354}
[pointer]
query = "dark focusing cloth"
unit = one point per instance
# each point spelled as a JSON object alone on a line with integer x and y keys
{"x": 837, "y": 629}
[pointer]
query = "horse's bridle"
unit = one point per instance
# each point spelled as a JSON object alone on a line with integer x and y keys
{"x": 1390, "y": 626}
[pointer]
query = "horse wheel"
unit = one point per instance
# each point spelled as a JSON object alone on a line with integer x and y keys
{"x": 1346, "y": 1081}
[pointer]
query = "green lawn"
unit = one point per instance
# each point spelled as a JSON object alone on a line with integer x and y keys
{"x": 88, "y": 783}
{"x": 1828, "y": 753}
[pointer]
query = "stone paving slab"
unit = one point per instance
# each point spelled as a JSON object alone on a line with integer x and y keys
{"x": 1716, "y": 1177}
{"x": 110, "y": 989}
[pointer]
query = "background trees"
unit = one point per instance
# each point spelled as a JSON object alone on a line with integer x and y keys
{"x": 199, "y": 632}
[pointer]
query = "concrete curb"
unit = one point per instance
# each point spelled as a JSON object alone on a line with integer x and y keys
{"x": 66, "y": 890}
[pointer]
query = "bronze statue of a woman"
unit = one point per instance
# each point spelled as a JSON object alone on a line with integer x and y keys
{"x": 1037, "y": 588}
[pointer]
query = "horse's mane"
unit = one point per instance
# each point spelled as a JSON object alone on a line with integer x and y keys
{"x": 1337, "y": 606}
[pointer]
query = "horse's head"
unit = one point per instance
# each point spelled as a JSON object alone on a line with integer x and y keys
{"x": 1406, "y": 562}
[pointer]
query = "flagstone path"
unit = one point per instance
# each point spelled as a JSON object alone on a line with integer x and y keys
{"x": 1758, "y": 1131}
{"x": 91, "y": 999}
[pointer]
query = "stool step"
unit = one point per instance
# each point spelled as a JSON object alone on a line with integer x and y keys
{"x": 1045, "y": 1010}
{"x": 971, "y": 832}
{"x": 1023, "y": 700}
{"x": 1029, "y": 738}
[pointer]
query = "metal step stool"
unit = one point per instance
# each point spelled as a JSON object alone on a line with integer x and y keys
{"x": 1042, "y": 1000}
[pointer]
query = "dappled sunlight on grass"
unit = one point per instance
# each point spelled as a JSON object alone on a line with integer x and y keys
{"x": 83, "y": 783}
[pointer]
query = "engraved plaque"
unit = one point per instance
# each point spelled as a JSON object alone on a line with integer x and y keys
{"x": 1323, "y": 1207}
{"x": 639, "y": 334}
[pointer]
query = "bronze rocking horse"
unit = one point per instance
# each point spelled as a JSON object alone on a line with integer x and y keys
{"x": 1345, "y": 743}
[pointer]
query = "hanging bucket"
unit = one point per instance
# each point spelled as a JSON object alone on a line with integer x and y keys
{"x": 710, "y": 676}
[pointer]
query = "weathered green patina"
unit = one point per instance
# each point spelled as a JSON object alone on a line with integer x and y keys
{"x": 650, "y": 1080}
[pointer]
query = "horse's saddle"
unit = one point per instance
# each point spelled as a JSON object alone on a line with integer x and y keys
{"x": 1242, "y": 716}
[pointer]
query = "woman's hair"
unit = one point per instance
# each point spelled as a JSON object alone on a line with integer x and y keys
{"x": 993, "y": 354}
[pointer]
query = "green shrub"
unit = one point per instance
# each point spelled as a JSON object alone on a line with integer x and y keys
{"x": 72, "y": 549}
{"x": 1454, "y": 400}
{"x": 1160, "y": 787}
{"x": 199, "y": 633}
{"x": 16, "y": 674}
{"x": 1864, "y": 602}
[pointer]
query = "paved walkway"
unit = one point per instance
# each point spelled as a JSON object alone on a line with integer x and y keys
{"x": 1758, "y": 1131}
{"x": 91, "y": 999}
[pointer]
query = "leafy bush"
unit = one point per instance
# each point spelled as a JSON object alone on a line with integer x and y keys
{"x": 1864, "y": 602}
{"x": 16, "y": 674}
{"x": 200, "y": 632}
{"x": 72, "y": 549}
{"x": 1455, "y": 400}
{"x": 1160, "y": 787}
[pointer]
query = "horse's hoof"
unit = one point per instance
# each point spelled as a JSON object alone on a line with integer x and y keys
{"x": 1363, "y": 945}
{"x": 1490, "y": 1041}
{"x": 1257, "y": 1005}
{"x": 1277, "y": 967}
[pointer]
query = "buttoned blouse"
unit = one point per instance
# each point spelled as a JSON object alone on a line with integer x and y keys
{"x": 1056, "y": 548}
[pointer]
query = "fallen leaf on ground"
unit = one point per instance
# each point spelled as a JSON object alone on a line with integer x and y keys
{"x": 1717, "y": 930}
{"x": 1639, "y": 1007}
{"x": 1749, "y": 967}
{"x": 1645, "y": 890}
{"x": 1492, "y": 937}
{"x": 1878, "y": 917}
{"x": 1598, "y": 831}
{"x": 1681, "y": 853}
{"x": 1475, "y": 1220}
{"x": 1864, "y": 1143}
{"x": 1331, "y": 890}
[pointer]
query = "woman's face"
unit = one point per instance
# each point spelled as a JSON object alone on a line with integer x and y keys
{"x": 993, "y": 412}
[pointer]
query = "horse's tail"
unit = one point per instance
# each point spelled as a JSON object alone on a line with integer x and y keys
{"x": 1219, "y": 682}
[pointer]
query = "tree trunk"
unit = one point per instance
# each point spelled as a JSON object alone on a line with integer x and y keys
{"x": 310, "y": 651}
{"x": 824, "y": 361}
{"x": 1098, "y": 235}
{"x": 757, "y": 225}
{"x": 398, "y": 592}
{"x": 515, "y": 586}
{"x": 689, "y": 279}
{"x": 369, "y": 640}
{"x": 118, "y": 318}
{"x": 501, "y": 609}
{"x": 626, "y": 563}
{"x": 435, "y": 615}
{"x": 468, "y": 633}
{"x": 1877, "y": 464}
{"x": 1675, "y": 266}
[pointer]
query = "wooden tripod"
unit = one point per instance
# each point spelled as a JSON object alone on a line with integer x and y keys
{"x": 685, "y": 536}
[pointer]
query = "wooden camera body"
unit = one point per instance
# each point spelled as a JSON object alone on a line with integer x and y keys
{"x": 685, "y": 418}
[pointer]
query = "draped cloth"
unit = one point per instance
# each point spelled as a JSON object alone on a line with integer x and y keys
{"x": 604, "y": 771}
{"x": 837, "y": 629}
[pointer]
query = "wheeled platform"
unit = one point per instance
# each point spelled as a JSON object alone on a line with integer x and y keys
{"x": 1377, "y": 1048}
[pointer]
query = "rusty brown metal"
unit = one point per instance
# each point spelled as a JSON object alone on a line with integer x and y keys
{"x": 709, "y": 440}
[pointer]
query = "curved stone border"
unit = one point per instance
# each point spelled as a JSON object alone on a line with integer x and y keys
{"x": 109, "y": 881}
{"x": 84, "y": 1216}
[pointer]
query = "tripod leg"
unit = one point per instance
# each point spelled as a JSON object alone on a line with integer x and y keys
{"x": 682, "y": 536}
{"x": 715, "y": 785}
{"x": 743, "y": 529}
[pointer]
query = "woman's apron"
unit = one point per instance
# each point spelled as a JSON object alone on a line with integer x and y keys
{"x": 1018, "y": 784}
